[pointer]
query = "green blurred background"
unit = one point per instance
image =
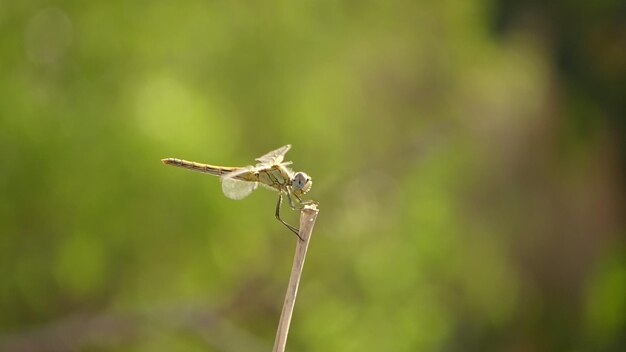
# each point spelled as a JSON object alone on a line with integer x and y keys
{"x": 468, "y": 157}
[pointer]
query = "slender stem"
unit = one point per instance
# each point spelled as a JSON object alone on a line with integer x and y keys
{"x": 308, "y": 215}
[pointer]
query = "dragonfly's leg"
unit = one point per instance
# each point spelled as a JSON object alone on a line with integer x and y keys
{"x": 291, "y": 204}
{"x": 305, "y": 202}
{"x": 292, "y": 228}
{"x": 301, "y": 203}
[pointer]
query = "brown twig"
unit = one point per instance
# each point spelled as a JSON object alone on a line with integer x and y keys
{"x": 308, "y": 215}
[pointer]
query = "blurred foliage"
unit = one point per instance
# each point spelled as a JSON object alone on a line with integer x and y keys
{"x": 467, "y": 156}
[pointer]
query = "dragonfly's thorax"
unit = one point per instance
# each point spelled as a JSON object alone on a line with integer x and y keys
{"x": 276, "y": 177}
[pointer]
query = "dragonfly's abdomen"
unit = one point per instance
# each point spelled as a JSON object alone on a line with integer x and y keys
{"x": 205, "y": 168}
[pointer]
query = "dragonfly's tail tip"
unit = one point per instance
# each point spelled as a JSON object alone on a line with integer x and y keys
{"x": 166, "y": 161}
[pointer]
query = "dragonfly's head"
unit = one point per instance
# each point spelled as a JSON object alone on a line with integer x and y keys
{"x": 301, "y": 183}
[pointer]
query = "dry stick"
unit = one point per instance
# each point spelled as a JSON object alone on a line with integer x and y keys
{"x": 307, "y": 221}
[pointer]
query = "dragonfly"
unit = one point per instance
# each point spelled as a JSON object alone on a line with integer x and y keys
{"x": 271, "y": 172}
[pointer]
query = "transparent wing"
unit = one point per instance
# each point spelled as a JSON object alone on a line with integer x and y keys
{"x": 237, "y": 189}
{"x": 289, "y": 171}
{"x": 238, "y": 172}
{"x": 275, "y": 156}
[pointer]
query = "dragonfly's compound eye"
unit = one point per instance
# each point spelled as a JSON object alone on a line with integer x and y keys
{"x": 302, "y": 182}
